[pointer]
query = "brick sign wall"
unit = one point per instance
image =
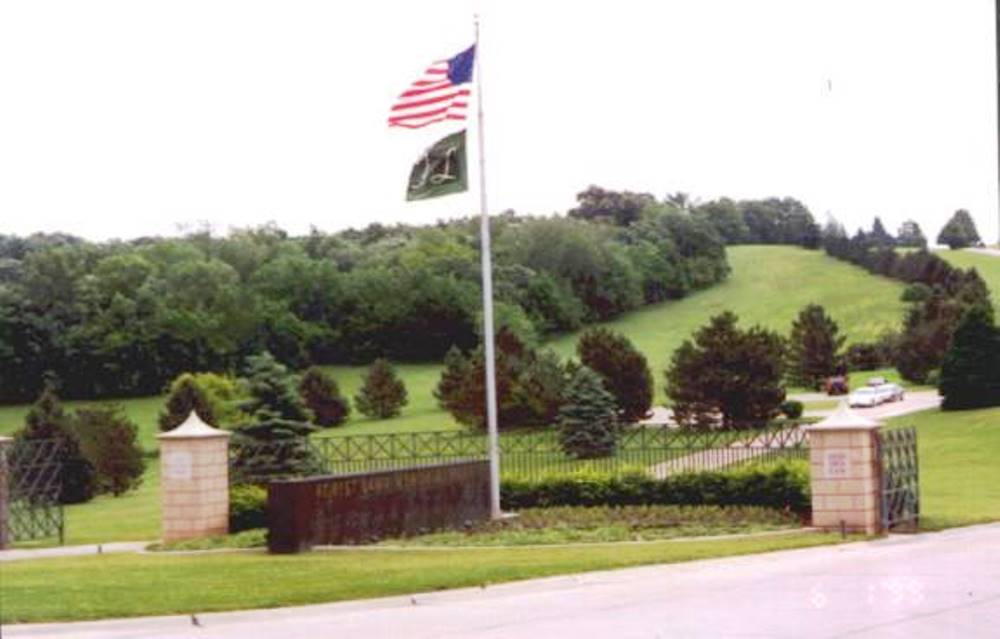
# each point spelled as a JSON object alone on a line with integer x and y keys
{"x": 360, "y": 508}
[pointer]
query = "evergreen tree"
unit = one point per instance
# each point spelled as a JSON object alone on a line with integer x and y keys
{"x": 879, "y": 236}
{"x": 623, "y": 368}
{"x": 47, "y": 424}
{"x": 273, "y": 391}
{"x": 588, "y": 421}
{"x": 727, "y": 372}
{"x": 960, "y": 231}
{"x": 109, "y": 441}
{"x": 322, "y": 396}
{"x": 186, "y": 396}
{"x": 275, "y": 442}
{"x": 970, "y": 372}
{"x": 910, "y": 235}
{"x": 813, "y": 348}
{"x": 382, "y": 394}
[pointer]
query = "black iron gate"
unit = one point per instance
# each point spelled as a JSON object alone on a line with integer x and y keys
{"x": 897, "y": 449}
{"x": 35, "y": 479}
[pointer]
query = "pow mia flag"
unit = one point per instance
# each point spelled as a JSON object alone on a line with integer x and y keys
{"x": 441, "y": 170}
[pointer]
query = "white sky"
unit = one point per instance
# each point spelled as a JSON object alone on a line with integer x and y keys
{"x": 127, "y": 118}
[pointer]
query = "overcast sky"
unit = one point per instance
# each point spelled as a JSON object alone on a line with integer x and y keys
{"x": 129, "y": 118}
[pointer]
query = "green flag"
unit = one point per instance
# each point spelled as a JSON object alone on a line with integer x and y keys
{"x": 441, "y": 170}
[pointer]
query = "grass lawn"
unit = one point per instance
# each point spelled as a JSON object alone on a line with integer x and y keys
{"x": 959, "y": 466}
{"x": 987, "y": 265}
{"x": 102, "y": 586}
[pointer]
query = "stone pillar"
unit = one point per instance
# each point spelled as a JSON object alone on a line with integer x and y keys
{"x": 845, "y": 473}
{"x": 194, "y": 480}
{"x": 5, "y": 536}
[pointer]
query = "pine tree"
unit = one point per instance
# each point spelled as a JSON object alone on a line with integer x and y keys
{"x": 813, "y": 348}
{"x": 960, "y": 231}
{"x": 186, "y": 396}
{"x": 970, "y": 372}
{"x": 382, "y": 394}
{"x": 47, "y": 422}
{"x": 109, "y": 441}
{"x": 322, "y": 396}
{"x": 588, "y": 421}
{"x": 727, "y": 371}
{"x": 623, "y": 368}
{"x": 275, "y": 442}
{"x": 879, "y": 236}
{"x": 910, "y": 235}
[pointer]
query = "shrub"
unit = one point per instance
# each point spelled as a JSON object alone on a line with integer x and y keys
{"x": 382, "y": 394}
{"x": 778, "y": 485}
{"x": 247, "y": 507}
{"x": 622, "y": 368}
{"x": 792, "y": 409}
{"x": 588, "y": 422}
{"x": 322, "y": 395}
{"x": 108, "y": 438}
{"x": 186, "y": 396}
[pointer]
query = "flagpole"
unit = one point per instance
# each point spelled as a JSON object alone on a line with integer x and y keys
{"x": 492, "y": 436}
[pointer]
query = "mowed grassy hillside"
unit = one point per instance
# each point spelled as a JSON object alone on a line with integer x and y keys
{"x": 987, "y": 265}
{"x": 768, "y": 286}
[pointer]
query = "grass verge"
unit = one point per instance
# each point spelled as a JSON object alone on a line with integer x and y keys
{"x": 103, "y": 586}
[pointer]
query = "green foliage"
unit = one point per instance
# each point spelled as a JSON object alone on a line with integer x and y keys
{"x": 46, "y": 420}
{"x": 225, "y": 394}
{"x": 622, "y": 368}
{"x": 727, "y": 375}
{"x": 322, "y": 396}
{"x": 620, "y": 208}
{"x": 273, "y": 391}
{"x": 970, "y": 372}
{"x": 588, "y": 420}
{"x": 911, "y": 236}
{"x": 247, "y": 507}
{"x": 813, "y": 348}
{"x": 779, "y": 485}
{"x": 186, "y": 395}
{"x": 960, "y": 231}
{"x": 792, "y": 409}
{"x": 382, "y": 394}
{"x": 529, "y": 384}
{"x": 108, "y": 439}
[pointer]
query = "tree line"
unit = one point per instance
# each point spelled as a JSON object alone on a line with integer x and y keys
{"x": 118, "y": 319}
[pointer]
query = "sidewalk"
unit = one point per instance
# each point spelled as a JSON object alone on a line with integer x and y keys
{"x": 20, "y": 554}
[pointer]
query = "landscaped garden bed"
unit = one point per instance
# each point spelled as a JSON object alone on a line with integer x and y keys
{"x": 566, "y": 524}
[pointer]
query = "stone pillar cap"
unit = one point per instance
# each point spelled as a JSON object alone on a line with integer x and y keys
{"x": 193, "y": 428}
{"x": 4, "y": 439}
{"x": 845, "y": 419}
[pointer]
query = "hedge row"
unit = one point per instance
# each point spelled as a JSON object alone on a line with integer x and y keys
{"x": 781, "y": 485}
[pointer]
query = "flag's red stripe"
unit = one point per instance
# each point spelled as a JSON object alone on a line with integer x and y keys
{"x": 410, "y": 125}
{"x": 448, "y": 96}
{"x": 424, "y": 114}
{"x": 430, "y": 89}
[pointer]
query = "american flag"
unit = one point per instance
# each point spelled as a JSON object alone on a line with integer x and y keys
{"x": 437, "y": 95}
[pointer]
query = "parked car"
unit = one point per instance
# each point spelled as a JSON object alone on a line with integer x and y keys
{"x": 892, "y": 392}
{"x": 836, "y": 385}
{"x": 877, "y": 381}
{"x": 865, "y": 397}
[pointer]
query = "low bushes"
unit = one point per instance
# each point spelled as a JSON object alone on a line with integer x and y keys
{"x": 247, "y": 507}
{"x": 780, "y": 485}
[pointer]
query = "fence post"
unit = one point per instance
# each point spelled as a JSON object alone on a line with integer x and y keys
{"x": 845, "y": 472}
{"x": 194, "y": 480}
{"x": 5, "y": 534}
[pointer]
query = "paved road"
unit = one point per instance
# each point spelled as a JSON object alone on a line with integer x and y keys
{"x": 986, "y": 251}
{"x": 929, "y": 586}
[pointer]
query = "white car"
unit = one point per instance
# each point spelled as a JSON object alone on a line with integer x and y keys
{"x": 866, "y": 397}
{"x": 891, "y": 392}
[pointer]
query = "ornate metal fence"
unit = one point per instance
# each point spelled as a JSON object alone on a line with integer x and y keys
{"x": 35, "y": 481}
{"x": 659, "y": 451}
{"x": 897, "y": 449}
